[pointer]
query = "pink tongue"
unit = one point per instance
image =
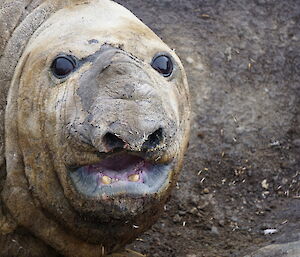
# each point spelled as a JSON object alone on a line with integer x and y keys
{"x": 119, "y": 162}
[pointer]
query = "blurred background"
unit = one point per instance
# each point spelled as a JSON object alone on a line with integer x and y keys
{"x": 240, "y": 186}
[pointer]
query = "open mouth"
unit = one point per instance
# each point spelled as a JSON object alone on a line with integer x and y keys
{"x": 121, "y": 174}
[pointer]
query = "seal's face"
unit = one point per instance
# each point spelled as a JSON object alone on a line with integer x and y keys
{"x": 102, "y": 121}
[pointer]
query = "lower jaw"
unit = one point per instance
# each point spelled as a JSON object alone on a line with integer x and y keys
{"x": 121, "y": 217}
{"x": 121, "y": 203}
{"x": 118, "y": 207}
{"x": 114, "y": 233}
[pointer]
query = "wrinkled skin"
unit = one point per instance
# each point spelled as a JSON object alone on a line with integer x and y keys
{"x": 113, "y": 107}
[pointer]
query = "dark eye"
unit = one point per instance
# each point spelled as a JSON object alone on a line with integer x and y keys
{"x": 163, "y": 64}
{"x": 62, "y": 66}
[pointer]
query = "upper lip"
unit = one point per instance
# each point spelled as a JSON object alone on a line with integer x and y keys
{"x": 92, "y": 157}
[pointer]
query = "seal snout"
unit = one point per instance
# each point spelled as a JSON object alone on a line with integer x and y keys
{"x": 125, "y": 105}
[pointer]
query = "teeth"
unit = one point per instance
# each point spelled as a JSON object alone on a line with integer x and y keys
{"x": 106, "y": 180}
{"x": 134, "y": 178}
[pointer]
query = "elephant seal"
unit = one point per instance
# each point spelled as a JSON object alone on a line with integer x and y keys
{"x": 95, "y": 122}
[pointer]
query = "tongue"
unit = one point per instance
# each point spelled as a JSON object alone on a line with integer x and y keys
{"x": 119, "y": 162}
{"x": 120, "y": 167}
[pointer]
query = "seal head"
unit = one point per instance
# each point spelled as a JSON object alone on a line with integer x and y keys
{"x": 97, "y": 123}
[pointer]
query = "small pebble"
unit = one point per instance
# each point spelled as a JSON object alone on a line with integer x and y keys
{"x": 215, "y": 231}
{"x": 265, "y": 184}
{"x": 270, "y": 231}
{"x": 189, "y": 60}
{"x": 199, "y": 67}
{"x": 205, "y": 190}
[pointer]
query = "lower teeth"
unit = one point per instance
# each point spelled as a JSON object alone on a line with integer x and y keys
{"x": 134, "y": 178}
{"x": 106, "y": 180}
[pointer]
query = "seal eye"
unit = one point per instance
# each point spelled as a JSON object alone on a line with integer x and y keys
{"x": 62, "y": 66}
{"x": 163, "y": 64}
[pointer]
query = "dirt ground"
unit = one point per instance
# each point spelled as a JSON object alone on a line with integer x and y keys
{"x": 242, "y": 170}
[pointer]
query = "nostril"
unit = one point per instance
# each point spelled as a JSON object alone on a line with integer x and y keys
{"x": 153, "y": 140}
{"x": 112, "y": 142}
